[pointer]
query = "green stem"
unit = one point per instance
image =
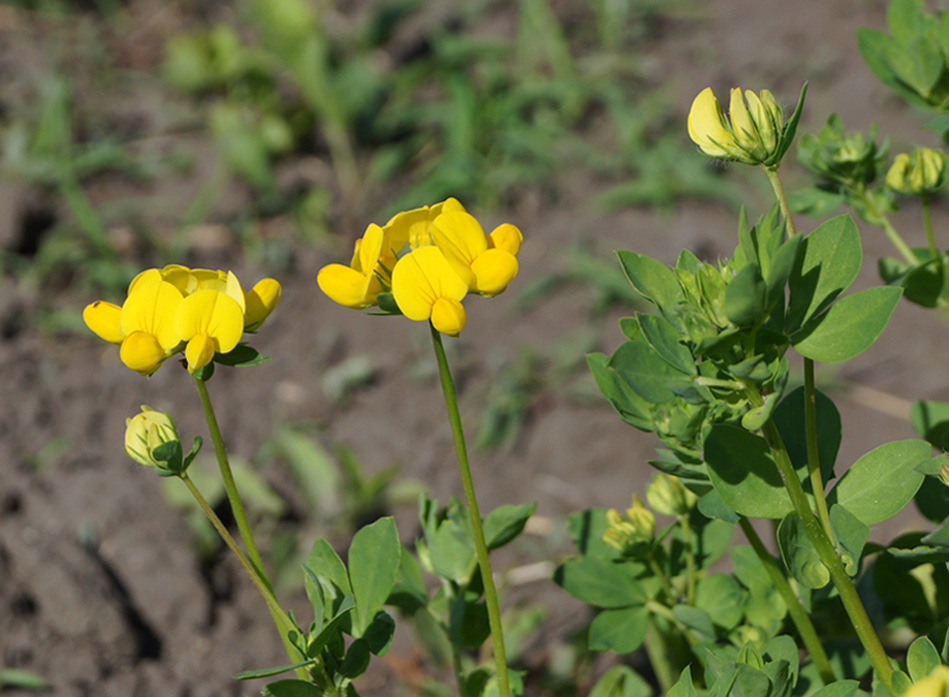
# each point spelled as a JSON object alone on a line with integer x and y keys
{"x": 828, "y": 555}
{"x": 782, "y": 199}
{"x": 908, "y": 254}
{"x": 813, "y": 454}
{"x": 280, "y": 618}
{"x": 240, "y": 517}
{"x": 802, "y": 621}
{"x": 657, "y": 649}
{"x": 481, "y": 548}
{"x": 663, "y": 581}
{"x": 689, "y": 558}
{"x": 928, "y": 224}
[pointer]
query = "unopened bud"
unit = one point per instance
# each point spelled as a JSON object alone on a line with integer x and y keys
{"x": 624, "y": 534}
{"x": 751, "y": 133}
{"x": 668, "y": 496}
{"x": 642, "y": 519}
{"x": 944, "y": 474}
{"x": 152, "y": 440}
{"x": 922, "y": 172}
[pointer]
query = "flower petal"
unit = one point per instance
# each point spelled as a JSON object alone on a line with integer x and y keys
{"x": 448, "y": 316}
{"x": 105, "y": 319}
{"x": 345, "y": 286}
{"x": 422, "y": 277}
{"x": 705, "y": 125}
{"x": 151, "y": 309}
{"x": 461, "y": 239}
{"x": 199, "y": 352}
{"x": 212, "y": 313}
{"x": 142, "y": 352}
{"x": 493, "y": 271}
{"x": 370, "y": 250}
{"x": 260, "y": 302}
{"x": 146, "y": 276}
{"x": 506, "y": 237}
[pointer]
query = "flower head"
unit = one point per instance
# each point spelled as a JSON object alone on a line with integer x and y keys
{"x": 357, "y": 285}
{"x": 923, "y": 172}
{"x": 754, "y": 132}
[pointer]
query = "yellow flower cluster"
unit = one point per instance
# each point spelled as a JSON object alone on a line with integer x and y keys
{"x": 200, "y": 311}
{"x": 752, "y": 134}
{"x": 429, "y": 258}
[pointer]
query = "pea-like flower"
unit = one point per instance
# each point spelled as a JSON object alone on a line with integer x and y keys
{"x": 486, "y": 264}
{"x": 202, "y": 311}
{"x": 754, "y": 132}
{"x": 357, "y": 285}
{"x": 426, "y": 287}
{"x": 923, "y": 172}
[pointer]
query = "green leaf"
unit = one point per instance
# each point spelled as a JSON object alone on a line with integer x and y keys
{"x": 268, "y": 672}
{"x": 649, "y": 374}
{"x": 632, "y": 408}
{"x": 814, "y": 201}
{"x": 744, "y": 473}
{"x": 841, "y": 688}
{"x": 373, "y": 564}
{"x": 652, "y": 279}
{"x": 782, "y": 266}
{"x": 799, "y": 554}
{"x": 621, "y": 681}
{"x": 241, "y": 356}
{"x": 932, "y": 499}
{"x": 881, "y": 482}
{"x": 849, "y": 327}
{"x": 746, "y": 297}
{"x": 468, "y": 623}
{"x": 331, "y": 631}
{"x": 711, "y": 505}
{"x": 783, "y": 648}
{"x": 789, "y": 420}
{"x": 683, "y": 688}
{"x": 505, "y": 523}
{"x": 922, "y": 658}
{"x": 326, "y": 581}
{"x": 852, "y": 536}
{"x": 664, "y": 338}
{"x": 931, "y": 421}
{"x": 877, "y": 50}
{"x": 600, "y": 582}
{"x": 721, "y": 597}
{"x": 15, "y": 677}
{"x": 291, "y": 688}
{"x": 379, "y": 633}
{"x": 694, "y": 618}
{"x": 356, "y": 660}
{"x": 621, "y": 630}
{"x": 827, "y": 264}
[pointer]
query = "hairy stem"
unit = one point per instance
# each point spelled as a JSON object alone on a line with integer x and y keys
{"x": 481, "y": 548}
{"x": 782, "y": 199}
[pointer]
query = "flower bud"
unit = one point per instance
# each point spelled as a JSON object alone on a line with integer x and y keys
{"x": 923, "y": 172}
{"x": 753, "y": 132}
{"x": 147, "y": 431}
{"x": 668, "y": 496}
{"x": 844, "y": 158}
{"x": 641, "y": 518}
{"x": 944, "y": 474}
{"x": 936, "y": 684}
{"x": 624, "y": 534}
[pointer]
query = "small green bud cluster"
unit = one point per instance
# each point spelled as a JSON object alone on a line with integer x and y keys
{"x": 844, "y": 158}
{"x": 920, "y": 173}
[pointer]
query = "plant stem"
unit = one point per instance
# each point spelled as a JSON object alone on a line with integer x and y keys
{"x": 828, "y": 555}
{"x": 813, "y": 454}
{"x": 659, "y": 656}
{"x": 663, "y": 581}
{"x": 280, "y": 618}
{"x": 240, "y": 517}
{"x": 490, "y": 592}
{"x": 802, "y": 621}
{"x": 782, "y": 199}
{"x": 928, "y": 225}
{"x": 689, "y": 558}
{"x": 908, "y": 254}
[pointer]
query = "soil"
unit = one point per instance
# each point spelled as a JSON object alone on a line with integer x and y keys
{"x": 100, "y": 589}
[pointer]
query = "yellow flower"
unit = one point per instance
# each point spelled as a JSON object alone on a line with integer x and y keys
{"x": 752, "y": 135}
{"x": 147, "y": 324}
{"x": 425, "y": 287}
{"x": 357, "y": 285}
{"x": 260, "y": 302}
{"x": 146, "y": 431}
{"x": 936, "y": 684}
{"x": 105, "y": 319}
{"x": 210, "y": 322}
{"x": 414, "y": 227}
{"x": 486, "y": 268}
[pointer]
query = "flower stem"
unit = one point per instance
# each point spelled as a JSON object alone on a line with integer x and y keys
{"x": 904, "y": 249}
{"x": 280, "y": 618}
{"x": 240, "y": 517}
{"x": 828, "y": 555}
{"x": 813, "y": 454}
{"x": 782, "y": 199}
{"x": 490, "y": 592}
{"x": 928, "y": 225}
{"x": 689, "y": 559}
{"x": 802, "y": 621}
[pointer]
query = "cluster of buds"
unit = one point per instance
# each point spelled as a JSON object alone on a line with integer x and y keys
{"x": 422, "y": 264}
{"x": 627, "y": 533}
{"x": 668, "y": 496}
{"x": 151, "y": 439}
{"x": 202, "y": 312}
{"x": 754, "y": 132}
{"x": 849, "y": 158}
{"x": 921, "y": 173}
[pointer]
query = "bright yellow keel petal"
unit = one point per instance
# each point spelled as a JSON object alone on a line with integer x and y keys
{"x": 105, "y": 319}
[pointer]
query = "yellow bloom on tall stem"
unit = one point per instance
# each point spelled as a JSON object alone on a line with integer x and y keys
{"x": 426, "y": 287}
{"x": 211, "y": 322}
{"x": 486, "y": 268}
{"x": 357, "y": 285}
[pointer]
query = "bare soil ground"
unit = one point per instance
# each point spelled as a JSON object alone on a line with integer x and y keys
{"x": 100, "y": 591}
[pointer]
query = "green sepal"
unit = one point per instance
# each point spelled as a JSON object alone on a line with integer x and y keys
{"x": 790, "y": 130}
{"x": 204, "y": 372}
{"x": 170, "y": 454}
{"x": 195, "y": 449}
{"x": 270, "y": 672}
{"x": 387, "y": 304}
